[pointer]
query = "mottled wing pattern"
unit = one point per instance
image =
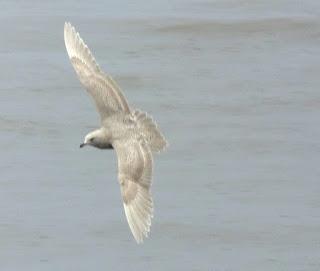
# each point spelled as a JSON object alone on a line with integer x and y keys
{"x": 148, "y": 128}
{"x": 103, "y": 89}
{"x": 135, "y": 173}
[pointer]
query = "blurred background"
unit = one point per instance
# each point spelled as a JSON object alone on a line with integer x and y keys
{"x": 234, "y": 86}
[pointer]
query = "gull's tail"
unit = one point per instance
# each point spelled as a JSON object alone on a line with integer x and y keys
{"x": 151, "y": 133}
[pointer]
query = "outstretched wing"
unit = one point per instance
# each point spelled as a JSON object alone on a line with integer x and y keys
{"x": 103, "y": 89}
{"x": 135, "y": 173}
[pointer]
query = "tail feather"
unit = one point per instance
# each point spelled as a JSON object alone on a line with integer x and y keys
{"x": 148, "y": 128}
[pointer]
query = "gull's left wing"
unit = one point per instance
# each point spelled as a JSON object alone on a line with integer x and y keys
{"x": 103, "y": 89}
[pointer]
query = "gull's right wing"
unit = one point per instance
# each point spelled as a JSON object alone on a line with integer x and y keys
{"x": 135, "y": 173}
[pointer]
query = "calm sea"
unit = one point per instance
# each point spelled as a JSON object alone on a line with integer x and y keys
{"x": 234, "y": 86}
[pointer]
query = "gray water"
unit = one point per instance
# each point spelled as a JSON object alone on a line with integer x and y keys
{"x": 234, "y": 86}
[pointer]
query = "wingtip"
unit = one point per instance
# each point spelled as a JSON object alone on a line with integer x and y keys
{"x": 139, "y": 242}
{"x": 138, "y": 234}
{"x": 66, "y": 25}
{"x": 66, "y": 29}
{"x": 69, "y": 27}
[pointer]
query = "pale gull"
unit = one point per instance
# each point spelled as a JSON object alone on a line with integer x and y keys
{"x": 132, "y": 133}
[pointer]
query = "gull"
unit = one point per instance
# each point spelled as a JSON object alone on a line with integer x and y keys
{"x": 132, "y": 133}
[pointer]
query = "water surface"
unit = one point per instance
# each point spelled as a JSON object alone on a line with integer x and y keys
{"x": 234, "y": 86}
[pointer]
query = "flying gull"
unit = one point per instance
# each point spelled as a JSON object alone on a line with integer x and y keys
{"x": 131, "y": 133}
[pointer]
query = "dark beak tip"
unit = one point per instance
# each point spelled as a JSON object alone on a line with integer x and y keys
{"x": 82, "y": 145}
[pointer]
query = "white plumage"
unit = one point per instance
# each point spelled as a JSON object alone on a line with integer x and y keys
{"x": 132, "y": 133}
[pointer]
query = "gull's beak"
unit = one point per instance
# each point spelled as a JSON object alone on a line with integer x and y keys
{"x": 82, "y": 145}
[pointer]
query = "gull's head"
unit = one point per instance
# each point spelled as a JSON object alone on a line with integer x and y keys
{"x": 97, "y": 138}
{"x": 88, "y": 140}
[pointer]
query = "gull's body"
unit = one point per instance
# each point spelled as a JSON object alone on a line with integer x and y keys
{"x": 132, "y": 133}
